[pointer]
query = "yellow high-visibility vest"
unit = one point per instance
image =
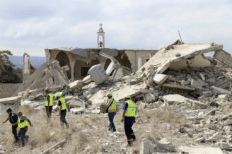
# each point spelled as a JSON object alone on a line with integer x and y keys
{"x": 51, "y": 100}
{"x": 131, "y": 109}
{"x": 113, "y": 106}
{"x": 23, "y": 123}
{"x": 63, "y": 103}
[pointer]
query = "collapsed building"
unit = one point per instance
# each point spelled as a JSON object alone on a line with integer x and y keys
{"x": 80, "y": 60}
{"x": 179, "y": 77}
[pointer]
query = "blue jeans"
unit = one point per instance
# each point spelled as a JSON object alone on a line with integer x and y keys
{"x": 111, "y": 120}
{"x": 21, "y": 134}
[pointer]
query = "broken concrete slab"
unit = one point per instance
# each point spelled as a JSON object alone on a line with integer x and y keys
{"x": 164, "y": 144}
{"x": 194, "y": 62}
{"x": 178, "y": 87}
{"x": 10, "y": 100}
{"x": 220, "y": 90}
{"x": 160, "y": 78}
{"x": 224, "y": 57}
{"x": 200, "y": 150}
{"x": 76, "y": 84}
{"x": 174, "y": 98}
{"x": 77, "y": 110}
{"x": 196, "y": 84}
{"x": 76, "y": 104}
{"x": 163, "y": 59}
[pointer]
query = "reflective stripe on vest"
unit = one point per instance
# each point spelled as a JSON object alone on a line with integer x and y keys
{"x": 23, "y": 123}
{"x": 131, "y": 109}
{"x": 51, "y": 100}
{"x": 63, "y": 103}
{"x": 113, "y": 106}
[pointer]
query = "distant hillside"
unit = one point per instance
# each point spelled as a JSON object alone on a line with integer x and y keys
{"x": 35, "y": 61}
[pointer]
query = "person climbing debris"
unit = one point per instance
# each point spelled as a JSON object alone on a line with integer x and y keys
{"x": 49, "y": 103}
{"x": 12, "y": 118}
{"x": 23, "y": 126}
{"x": 111, "y": 109}
{"x": 63, "y": 105}
{"x": 128, "y": 117}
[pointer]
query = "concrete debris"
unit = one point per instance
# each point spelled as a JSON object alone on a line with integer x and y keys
{"x": 221, "y": 91}
{"x": 181, "y": 95}
{"x": 164, "y": 144}
{"x": 160, "y": 78}
{"x": 200, "y": 150}
{"x": 196, "y": 84}
{"x": 175, "y": 98}
{"x": 146, "y": 148}
{"x": 10, "y": 100}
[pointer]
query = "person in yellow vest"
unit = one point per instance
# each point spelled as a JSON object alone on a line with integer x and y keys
{"x": 23, "y": 126}
{"x": 63, "y": 105}
{"x": 112, "y": 108}
{"x": 128, "y": 117}
{"x": 49, "y": 103}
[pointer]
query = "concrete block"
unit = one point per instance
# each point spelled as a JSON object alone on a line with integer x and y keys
{"x": 174, "y": 98}
{"x": 149, "y": 98}
{"x": 98, "y": 75}
{"x": 76, "y": 84}
{"x": 202, "y": 76}
{"x": 160, "y": 78}
{"x": 164, "y": 144}
{"x": 77, "y": 110}
{"x": 76, "y": 104}
{"x": 202, "y": 82}
{"x": 146, "y": 148}
{"x": 178, "y": 87}
{"x": 222, "y": 91}
{"x": 196, "y": 84}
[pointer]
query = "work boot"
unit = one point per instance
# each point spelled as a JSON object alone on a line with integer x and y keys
{"x": 16, "y": 140}
{"x": 133, "y": 138}
{"x": 129, "y": 143}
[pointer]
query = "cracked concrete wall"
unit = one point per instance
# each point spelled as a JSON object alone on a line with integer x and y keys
{"x": 224, "y": 57}
{"x": 198, "y": 61}
{"x": 128, "y": 58}
{"x": 134, "y": 55}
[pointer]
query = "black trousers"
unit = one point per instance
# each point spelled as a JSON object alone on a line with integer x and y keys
{"x": 14, "y": 131}
{"x": 62, "y": 118}
{"x": 49, "y": 112}
{"x": 128, "y": 131}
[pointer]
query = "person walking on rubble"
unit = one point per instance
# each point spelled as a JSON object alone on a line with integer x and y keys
{"x": 13, "y": 118}
{"x": 23, "y": 125}
{"x": 128, "y": 117}
{"x": 63, "y": 105}
{"x": 111, "y": 108}
{"x": 49, "y": 104}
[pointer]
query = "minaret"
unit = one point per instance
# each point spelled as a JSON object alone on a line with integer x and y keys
{"x": 102, "y": 34}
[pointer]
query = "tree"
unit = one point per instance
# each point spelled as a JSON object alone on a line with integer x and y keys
{"x": 8, "y": 74}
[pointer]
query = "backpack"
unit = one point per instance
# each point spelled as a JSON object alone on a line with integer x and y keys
{"x": 13, "y": 117}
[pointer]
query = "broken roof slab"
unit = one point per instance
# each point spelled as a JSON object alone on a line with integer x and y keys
{"x": 164, "y": 58}
{"x": 83, "y": 52}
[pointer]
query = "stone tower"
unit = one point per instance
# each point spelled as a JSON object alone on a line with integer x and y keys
{"x": 101, "y": 44}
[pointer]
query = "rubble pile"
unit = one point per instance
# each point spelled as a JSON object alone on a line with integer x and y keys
{"x": 182, "y": 97}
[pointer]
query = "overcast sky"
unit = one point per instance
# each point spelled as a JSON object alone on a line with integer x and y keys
{"x": 32, "y": 26}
